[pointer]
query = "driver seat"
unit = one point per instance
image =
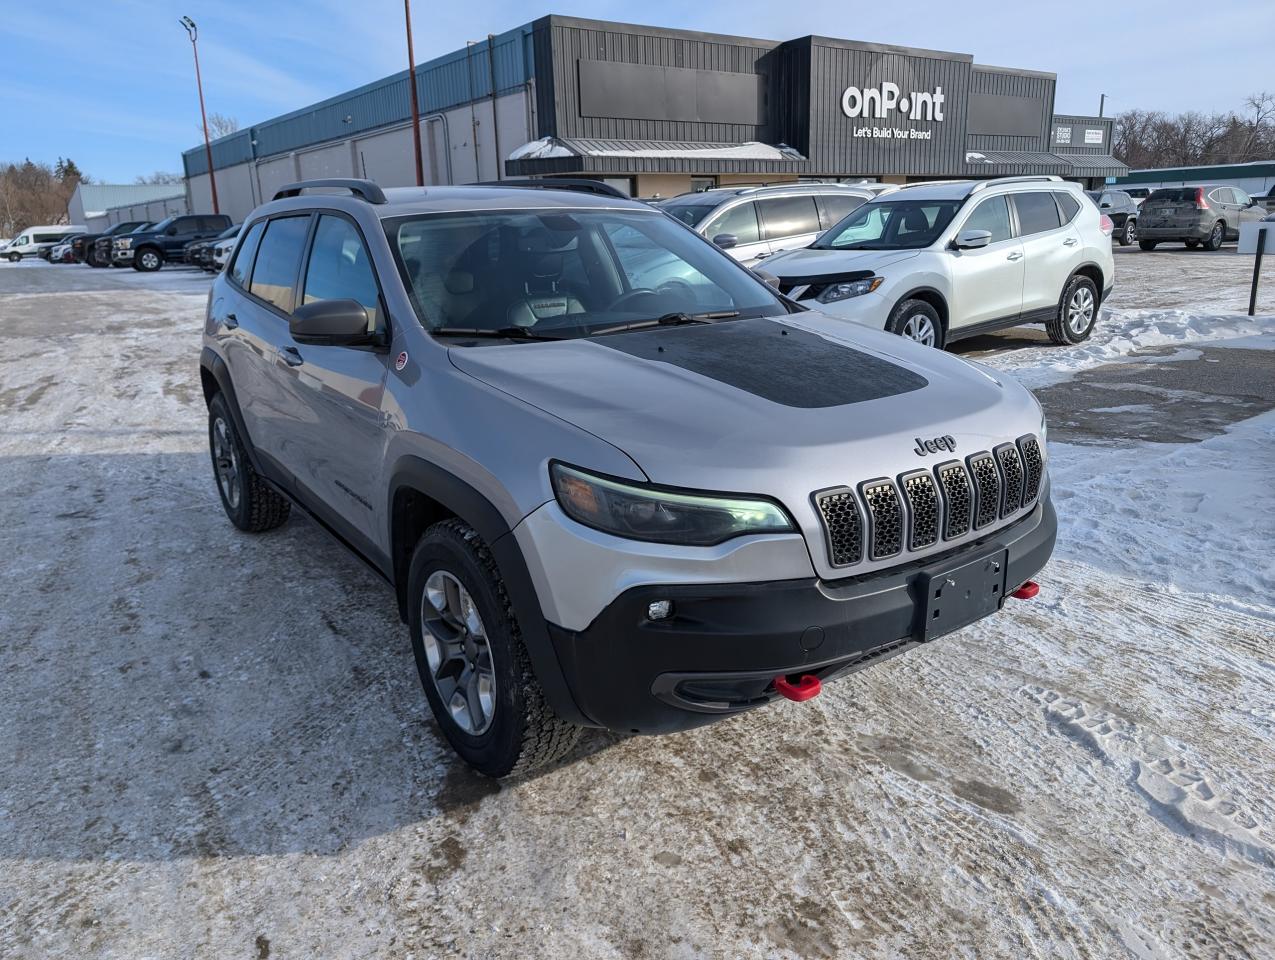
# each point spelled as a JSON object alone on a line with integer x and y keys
{"x": 542, "y": 298}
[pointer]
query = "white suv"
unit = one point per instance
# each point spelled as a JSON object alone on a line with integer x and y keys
{"x": 935, "y": 262}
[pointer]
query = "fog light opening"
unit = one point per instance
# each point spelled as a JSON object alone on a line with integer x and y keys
{"x": 659, "y": 609}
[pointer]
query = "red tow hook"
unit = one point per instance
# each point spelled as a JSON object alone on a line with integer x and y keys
{"x": 807, "y": 687}
{"x": 1027, "y": 590}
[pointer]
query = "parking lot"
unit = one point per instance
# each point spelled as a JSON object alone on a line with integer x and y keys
{"x": 216, "y": 744}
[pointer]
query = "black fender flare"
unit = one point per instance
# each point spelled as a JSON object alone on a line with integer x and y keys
{"x": 459, "y": 498}
{"x": 211, "y": 361}
{"x": 944, "y": 314}
{"x": 1087, "y": 265}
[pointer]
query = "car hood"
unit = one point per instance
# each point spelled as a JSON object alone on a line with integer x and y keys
{"x": 794, "y": 266}
{"x": 756, "y": 405}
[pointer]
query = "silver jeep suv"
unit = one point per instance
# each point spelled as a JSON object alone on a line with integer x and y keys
{"x": 612, "y": 478}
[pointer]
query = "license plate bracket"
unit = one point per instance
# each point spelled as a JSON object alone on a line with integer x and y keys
{"x": 956, "y": 596}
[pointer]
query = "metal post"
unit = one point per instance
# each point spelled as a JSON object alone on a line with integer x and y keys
{"x": 495, "y": 121}
{"x": 1257, "y": 269}
{"x": 193, "y": 31}
{"x": 416, "y": 109}
{"x": 1102, "y": 103}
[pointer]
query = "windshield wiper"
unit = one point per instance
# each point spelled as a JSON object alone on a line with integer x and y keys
{"x": 667, "y": 320}
{"x": 503, "y": 333}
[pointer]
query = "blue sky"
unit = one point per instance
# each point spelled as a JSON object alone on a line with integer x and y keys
{"x": 111, "y": 83}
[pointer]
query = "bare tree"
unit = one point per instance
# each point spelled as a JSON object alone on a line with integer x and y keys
{"x": 1148, "y": 139}
{"x": 220, "y": 125}
{"x": 33, "y": 193}
{"x": 160, "y": 176}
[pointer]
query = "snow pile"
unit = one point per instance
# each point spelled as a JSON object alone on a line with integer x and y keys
{"x": 546, "y": 148}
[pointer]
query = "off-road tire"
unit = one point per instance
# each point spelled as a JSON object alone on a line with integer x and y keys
{"x": 147, "y": 260}
{"x": 1129, "y": 232}
{"x": 259, "y": 507}
{"x": 1057, "y": 326}
{"x": 524, "y": 733}
{"x": 912, "y": 311}
{"x": 1147, "y": 244}
{"x": 1216, "y": 237}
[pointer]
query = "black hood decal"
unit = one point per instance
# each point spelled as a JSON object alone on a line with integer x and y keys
{"x": 773, "y": 361}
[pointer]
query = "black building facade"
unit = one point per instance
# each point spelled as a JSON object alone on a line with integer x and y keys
{"x": 663, "y": 111}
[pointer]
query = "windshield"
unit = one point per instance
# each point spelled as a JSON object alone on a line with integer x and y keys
{"x": 567, "y": 273}
{"x": 890, "y": 225}
{"x": 691, "y": 213}
{"x": 163, "y": 224}
{"x": 229, "y": 232}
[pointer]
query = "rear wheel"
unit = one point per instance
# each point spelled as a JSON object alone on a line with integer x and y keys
{"x": 918, "y": 321}
{"x": 148, "y": 260}
{"x": 1130, "y": 232}
{"x": 1147, "y": 244}
{"x": 1216, "y": 235}
{"x": 472, "y": 662}
{"x": 1077, "y": 312}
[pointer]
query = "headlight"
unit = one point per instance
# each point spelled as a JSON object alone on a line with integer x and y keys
{"x": 852, "y": 288}
{"x": 664, "y": 516}
{"x": 123, "y": 244}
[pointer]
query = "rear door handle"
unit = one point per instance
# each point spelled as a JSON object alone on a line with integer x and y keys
{"x": 1070, "y": 242}
{"x": 231, "y": 321}
{"x": 290, "y": 356}
{"x": 1014, "y": 256}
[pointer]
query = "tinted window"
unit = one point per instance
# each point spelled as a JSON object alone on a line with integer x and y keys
{"x": 242, "y": 266}
{"x": 1070, "y": 206}
{"x": 739, "y": 220}
{"x": 991, "y": 215}
{"x": 278, "y": 260}
{"x": 838, "y": 206}
{"x": 1174, "y": 194}
{"x": 789, "y": 216}
{"x": 1037, "y": 212}
{"x": 339, "y": 268}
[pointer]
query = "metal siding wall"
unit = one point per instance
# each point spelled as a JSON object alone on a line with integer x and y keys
{"x": 833, "y": 146}
{"x": 652, "y": 48}
{"x": 1015, "y": 85}
{"x": 1078, "y": 126}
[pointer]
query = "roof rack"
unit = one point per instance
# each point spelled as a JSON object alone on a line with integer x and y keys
{"x": 580, "y": 184}
{"x": 363, "y": 189}
{"x": 1035, "y": 178}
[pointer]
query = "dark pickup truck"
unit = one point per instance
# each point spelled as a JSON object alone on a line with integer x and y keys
{"x": 82, "y": 248}
{"x": 148, "y": 250}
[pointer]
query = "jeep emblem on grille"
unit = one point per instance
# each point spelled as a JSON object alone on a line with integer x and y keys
{"x": 924, "y": 447}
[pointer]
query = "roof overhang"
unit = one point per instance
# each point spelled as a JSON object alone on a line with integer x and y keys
{"x": 553, "y": 155}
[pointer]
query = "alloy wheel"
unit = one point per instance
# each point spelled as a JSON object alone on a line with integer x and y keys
{"x": 918, "y": 327}
{"x": 226, "y": 462}
{"x": 1130, "y": 232}
{"x": 150, "y": 260}
{"x": 1080, "y": 310}
{"x": 459, "y": 655}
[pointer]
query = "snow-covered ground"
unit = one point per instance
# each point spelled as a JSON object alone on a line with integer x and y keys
{"x": 215, "y": 745}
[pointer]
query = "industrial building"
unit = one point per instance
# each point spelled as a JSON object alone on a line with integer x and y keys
{"x": 659, "y": 112}
{"x": 1257, "y": 179}
{"x": 99, "y": 205}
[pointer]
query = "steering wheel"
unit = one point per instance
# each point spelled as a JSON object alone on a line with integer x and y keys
{"x": 677, "y": 285}
{"x": 622, "y": 302}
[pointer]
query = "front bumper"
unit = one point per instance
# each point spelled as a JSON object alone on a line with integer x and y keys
{"x": 121, "y": 256}
{"x": 719, "y": 652}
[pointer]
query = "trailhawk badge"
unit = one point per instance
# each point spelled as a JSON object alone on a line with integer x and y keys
{"x": 401, "y": 361}
{"x": 925, "y": 447}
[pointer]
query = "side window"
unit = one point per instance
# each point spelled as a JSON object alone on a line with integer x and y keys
{"x": 740, "y": 221}
{"x": 339, "y": 268}
{"x": 242, "y": 266}
{"x": 1222, "y": 195}
{"x": 789, "y": 216}
{"x": 279, "y": 260}
{"x": 1070, "y": 206}
{"x": 1037, "y": 212}
{"x": 991, "y": 215}
{"x": 1242, "y": 198}
{"x": 837, "y": 207}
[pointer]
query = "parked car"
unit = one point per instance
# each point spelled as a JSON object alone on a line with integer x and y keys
{"x": 37, "y": 241}
{"x": 148, "y": 250}
{"x": 1206, "y": 215}
{"x": 1137, "y": 194}
{"x": 935, "y": 262}
{"x": 200, "y": 252}
{"x": 754, "y": 222}
{"x": 103, "y": 246}
{"x": 85, "y": 249}
{"x": 1119, "y": 206}
{"x": 62, "y": 251}
{"x": 475, "y": 390}
{"x": 221, "y": 252}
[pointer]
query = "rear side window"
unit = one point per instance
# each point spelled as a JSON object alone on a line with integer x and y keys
{"x": 837, "y": 206}
{"x": 991, "y": 215}
{"x": 279, "y": 260}
{"x": 1174, "y": 194}
{"x": 1037, "y": 212}
{"x": 739, "y": 221}
{"x": 339, "y": 268}
{"x": 242, "y": 266}
{"x": 789, "y": 216}
{"x": 1222, "y": 195}
{"x": 1070, "y": 206}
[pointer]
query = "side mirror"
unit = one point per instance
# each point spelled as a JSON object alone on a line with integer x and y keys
{"x": 972, "y": 239}
{"x": 726, "y": 240}
{"x": 171, "y": 231}
{"x": 334, "y": 323}
{"x": 1105, "y": 205}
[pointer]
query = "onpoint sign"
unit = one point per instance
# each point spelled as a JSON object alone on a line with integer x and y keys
{"x": 881, "y": 101}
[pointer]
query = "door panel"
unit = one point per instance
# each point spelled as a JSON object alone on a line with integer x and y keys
{"x": 1050, "y": 252}
{"x": 987, "y": 283}
{"x": 740, "y": 221}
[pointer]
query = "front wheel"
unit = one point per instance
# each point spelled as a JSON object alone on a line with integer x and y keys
{"x": 1216, "y": 235}
{"x": 251, "y": 504}
{"x": 15, "y": 257}
{"x": 1147, "y": 244}
{"x": 1077, "y": 312}
{"x": 916, "y": 320}
{"x": 1130, "y": 232}
{"x": 471, "y": 659}
{"x": 148, "y": 260}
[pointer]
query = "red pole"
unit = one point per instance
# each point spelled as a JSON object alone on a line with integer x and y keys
{"x": 411, "y": 82}
{"x": 199, "y": 83}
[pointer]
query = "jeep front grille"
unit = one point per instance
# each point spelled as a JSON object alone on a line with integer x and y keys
{"x": 886, "y": 517}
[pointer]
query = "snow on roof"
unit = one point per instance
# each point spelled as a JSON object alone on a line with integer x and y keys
{"x": 549, "y": 147}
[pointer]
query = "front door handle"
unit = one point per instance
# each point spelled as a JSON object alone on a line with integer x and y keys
{"x": 1070, "y": 242}
{"x": 291, "y": 356}
{"x": 1016, "y": 255}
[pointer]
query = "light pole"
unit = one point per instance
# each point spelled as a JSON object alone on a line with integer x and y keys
{"x": 411, "y": 84}
{"x": 193, "y": 31}
{"x": 1102, "y": 103}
